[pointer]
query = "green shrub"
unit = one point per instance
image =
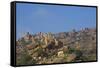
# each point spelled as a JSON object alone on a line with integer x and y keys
{"x": 24, "y": 59}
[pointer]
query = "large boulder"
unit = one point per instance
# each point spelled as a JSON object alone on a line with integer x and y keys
{"x": 60, "y": 54}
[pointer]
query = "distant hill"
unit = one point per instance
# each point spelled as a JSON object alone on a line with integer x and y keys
{"x": 46, "y": 48}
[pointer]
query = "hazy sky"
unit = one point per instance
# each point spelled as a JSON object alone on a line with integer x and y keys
{"x": 35, "y": 18}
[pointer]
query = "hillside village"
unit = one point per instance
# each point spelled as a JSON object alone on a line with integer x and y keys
{"x": 62, "y": 47}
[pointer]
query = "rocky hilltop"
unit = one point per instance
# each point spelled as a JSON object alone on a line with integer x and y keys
{"x": 62, "y": 47}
